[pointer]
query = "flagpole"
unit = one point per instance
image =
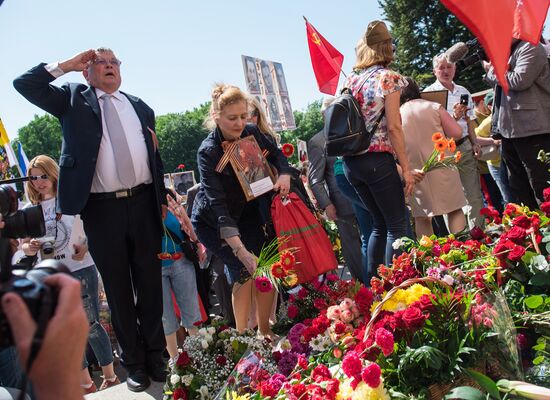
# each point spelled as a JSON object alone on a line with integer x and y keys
{"x": 341, "y": 70}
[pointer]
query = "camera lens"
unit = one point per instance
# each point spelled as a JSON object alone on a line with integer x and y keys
{"x": 28, "y": 222}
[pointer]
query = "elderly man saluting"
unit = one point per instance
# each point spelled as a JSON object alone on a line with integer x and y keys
{"x": 460, "y": 106}
{"x": 112, "y": 175}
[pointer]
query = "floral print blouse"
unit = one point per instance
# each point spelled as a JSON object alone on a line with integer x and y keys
{"x": 380, "y": 82}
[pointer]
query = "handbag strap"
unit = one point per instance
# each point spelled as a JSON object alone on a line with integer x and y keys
{"x": 379, "y": 118}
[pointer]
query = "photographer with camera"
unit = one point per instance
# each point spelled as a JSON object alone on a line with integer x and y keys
{"x": 460, "y": 106}
{"x": 65, "y": 241}
{"x": 55, "y": 371}
{"x": 521, "y": 119}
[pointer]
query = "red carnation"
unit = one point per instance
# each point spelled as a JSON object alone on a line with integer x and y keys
{"x": 183, "y": 360}
{"x": 413, "y": 318}
{"x": 546, "y": 194}
{"x": 320, "y": 304}
{"x": 297, "y": 390}
{"x": 371, "y": 375}
{"x": 320, "y": 373}
{"x": 221, "y": 360}
{"x": 516, "y": 234}
{"x": 332, "y": 387}
{"x": 288, "y": 149}
{"x": 292, "y": 311}
{"x": 363, "y": 300}
{"x": 180, "y": 394}
{"x": 516, "y": 253}
{"x": 181, "y": 166}
{"x": 351, "y": 364}
{"x": 384, "y": 340}
{"x": 545, "y": 208}
{"x": 339, "y": 327}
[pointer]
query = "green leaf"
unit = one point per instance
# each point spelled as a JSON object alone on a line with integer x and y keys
{"x": 485, "y": 382}
{"x": 548, "y": 247}
{"x": 534, "y": 302}
{"x": 465, "y": 393}
{"x": 540, "y": 280}
{"x": 528, "y": 256}
{"x": 538, "y": 360}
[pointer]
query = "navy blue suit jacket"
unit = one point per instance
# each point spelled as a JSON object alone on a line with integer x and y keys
{"x": 77, "y": 108}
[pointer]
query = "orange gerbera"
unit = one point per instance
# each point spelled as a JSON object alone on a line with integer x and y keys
{"x": 278, "y": 271}
{"x": 457, "y": 156}
{"x": 440, "y": 145}
{"x": 287, "y": 260}
{"x": 452, "y": 145}
{"x": 441, "y": 156}
{"x": 437, "y": 137}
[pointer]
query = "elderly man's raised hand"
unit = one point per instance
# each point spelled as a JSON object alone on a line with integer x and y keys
{"x": 79, "y": 62}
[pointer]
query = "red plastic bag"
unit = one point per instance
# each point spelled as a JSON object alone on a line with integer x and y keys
{"x": 292, "y": 219}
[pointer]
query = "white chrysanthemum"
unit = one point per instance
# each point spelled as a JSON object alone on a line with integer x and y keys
{"x": 204, "y": 344}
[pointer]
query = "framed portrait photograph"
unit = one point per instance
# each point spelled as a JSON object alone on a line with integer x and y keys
{"x": 183, "y": 181}
{"x": 168, "y": 181}
{"x": 251, "y": 167}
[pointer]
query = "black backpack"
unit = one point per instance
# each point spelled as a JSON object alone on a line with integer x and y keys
{"x": 345, "y": 130}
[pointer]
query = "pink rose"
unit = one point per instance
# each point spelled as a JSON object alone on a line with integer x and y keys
{"x": 346, "y": 304}
{"x": 347, "y": 316}
{"x": 334, "y": 312}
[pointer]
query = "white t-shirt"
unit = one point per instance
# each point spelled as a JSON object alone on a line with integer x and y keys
{"x": 65, "y": 232}
{"x": 453, "y": 98}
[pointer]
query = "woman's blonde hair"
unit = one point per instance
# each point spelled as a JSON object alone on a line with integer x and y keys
{"x": 255, "y": 109}
{"x": 380, "y": 53}
{"x": 50, "y": 168}
{"x": 222, "y": 96}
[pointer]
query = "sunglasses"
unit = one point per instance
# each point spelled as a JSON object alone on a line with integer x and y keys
{"x": 38, "y": 177}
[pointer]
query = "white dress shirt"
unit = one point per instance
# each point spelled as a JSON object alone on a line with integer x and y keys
{"x": 453, "y": 97}
{"x": 105, "y": 176}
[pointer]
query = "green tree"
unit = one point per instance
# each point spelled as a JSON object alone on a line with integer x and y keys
{"x": 41, "y": 136}
{"x": 423, "y": 29}
{"x": 180, "y": 135}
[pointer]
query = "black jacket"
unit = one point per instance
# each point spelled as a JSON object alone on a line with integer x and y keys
{"x": 220, "y": 200}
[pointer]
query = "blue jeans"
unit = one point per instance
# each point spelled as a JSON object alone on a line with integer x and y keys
{"x": 500, "y": 176}
{"x": 180, "y": 278}
{"x": 375, "y": 179}
{"x": 363, "y": 219}
{"x": 11, "y": 373}
{"x": 98, "y": 338}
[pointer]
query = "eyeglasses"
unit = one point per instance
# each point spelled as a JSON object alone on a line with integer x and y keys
{"x": 38, "y": 177}
{"x": 113, "y": 61}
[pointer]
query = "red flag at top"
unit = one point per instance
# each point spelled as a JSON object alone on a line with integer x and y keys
{"x": 495, "y": 23}
{"x": 325, "y": 59}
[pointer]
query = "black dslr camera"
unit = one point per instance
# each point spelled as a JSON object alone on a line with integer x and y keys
{"x": 474, "y": 54}
{"x": 39, "y": 297}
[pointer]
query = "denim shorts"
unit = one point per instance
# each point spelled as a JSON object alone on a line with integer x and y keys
{"x": 179, "y": 278}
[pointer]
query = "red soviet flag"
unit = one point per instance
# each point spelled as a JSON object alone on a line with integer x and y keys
{"x": 529, "y": 19}
{"x": 325, "y": 59}
{"x": 495, "y": 23}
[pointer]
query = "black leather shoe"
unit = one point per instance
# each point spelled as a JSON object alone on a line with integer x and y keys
{"x": 138, "y": 381}
{"x": 157, "y": 371}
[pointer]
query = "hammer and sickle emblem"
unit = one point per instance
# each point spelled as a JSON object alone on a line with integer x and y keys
{"x": 315, "y": 38}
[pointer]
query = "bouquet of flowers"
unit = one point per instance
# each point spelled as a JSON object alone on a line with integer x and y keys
{"x": 208, "y": 358}
{"x": 438, "y": 159}
{"x": 275, "y": 268}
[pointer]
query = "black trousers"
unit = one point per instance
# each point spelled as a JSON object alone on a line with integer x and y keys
{"x": 528, "y": 177}
{"x": 124, "y": 238}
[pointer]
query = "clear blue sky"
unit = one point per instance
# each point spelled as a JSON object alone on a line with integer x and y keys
{"x": 173, "y": 50}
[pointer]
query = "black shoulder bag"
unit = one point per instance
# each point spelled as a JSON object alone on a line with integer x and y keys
{"x": 345, "y": 130}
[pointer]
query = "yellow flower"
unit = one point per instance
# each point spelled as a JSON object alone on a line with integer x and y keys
{"x": 291, "y": 279}
{"x": 235, "y": 396}
{"x": 425, "y": 241}
{"x": 415, "y": 292}
{"x": 362, "y": 392}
